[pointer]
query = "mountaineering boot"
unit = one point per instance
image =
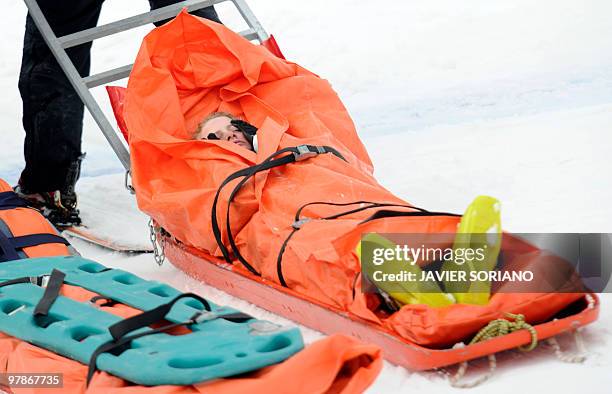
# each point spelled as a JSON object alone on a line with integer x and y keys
{"x": 60, "y": 209}
{"x": 59, "y": 206}
{"x": 73, "y": 175}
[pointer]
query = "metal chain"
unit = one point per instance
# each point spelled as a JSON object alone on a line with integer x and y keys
{"x": 158, "y": 247}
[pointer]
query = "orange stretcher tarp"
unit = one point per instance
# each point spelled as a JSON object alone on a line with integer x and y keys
{"x": 191, "y": 67}
{"x": 26, "y": 221}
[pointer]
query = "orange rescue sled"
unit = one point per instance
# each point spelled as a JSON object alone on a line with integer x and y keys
{"x": 189, "y": 68}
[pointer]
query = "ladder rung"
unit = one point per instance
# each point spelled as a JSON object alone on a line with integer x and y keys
{"x": 123, "y": 72}
{"x": 157, "y": 15}
{"x": 249, "y": 34}
{"x": 107, "y": 76}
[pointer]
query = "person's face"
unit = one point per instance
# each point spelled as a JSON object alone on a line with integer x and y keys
{"x": 221, "y": 128}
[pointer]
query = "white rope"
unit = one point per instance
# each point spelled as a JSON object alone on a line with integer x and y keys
{"x": 577, "y": 358}
{"x": 590, "y": 300}
{"x": 454, "y": 380}
{"x": 580, "y": 357}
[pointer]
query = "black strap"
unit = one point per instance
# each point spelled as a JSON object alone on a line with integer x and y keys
{"x": 384, "y": 213}
{"x": 35, "y": 280}
{"x": 158, "y": 314}
{"x": 24, "y": 279}
{"x": 299, "y": 222}
{"x": 49, "y": 296}
{"x": 121, "y": 345}
{"x": 10, "y": 245}
{"x": 366, "y": 205}
{"x": 235, "y": 317}
{"x": 107, "y": 301}
{"x": 120, "y": 330}
{"x": 149, "y": 317}
{"x": 25, "y": 241}
{"x": 10, "y": 200}
{"x": 279, "y": 258}
{"x": 297, "y": 153}
{"x": 7, "y": 251}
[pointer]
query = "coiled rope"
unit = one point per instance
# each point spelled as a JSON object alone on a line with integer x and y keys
{"x": 495, "y": 328}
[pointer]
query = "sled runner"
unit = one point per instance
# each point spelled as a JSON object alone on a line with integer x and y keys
{"x": 113, "y": 222}
{"x": 93, "y": 236}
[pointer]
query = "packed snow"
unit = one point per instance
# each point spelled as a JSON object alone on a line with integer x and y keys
{"x": 510, "y": 99}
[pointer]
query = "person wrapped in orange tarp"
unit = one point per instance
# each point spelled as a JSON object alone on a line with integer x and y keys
{"x": 190, "y": 68}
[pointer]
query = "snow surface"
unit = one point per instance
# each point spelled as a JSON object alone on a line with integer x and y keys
{"x": 453, "y": 99}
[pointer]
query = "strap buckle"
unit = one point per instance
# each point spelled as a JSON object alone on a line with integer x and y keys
{"x": 303, "y": 153}
{"x": 299, "y": 223}
{"x": 41, "y": 281}
{"x": 200, "y": 317}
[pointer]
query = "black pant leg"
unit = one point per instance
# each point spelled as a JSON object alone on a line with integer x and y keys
{"x": 207, "y": 12}
{"x": 52, "y": 110}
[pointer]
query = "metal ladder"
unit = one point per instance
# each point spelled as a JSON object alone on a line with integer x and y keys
{"x": 58, "y": 46}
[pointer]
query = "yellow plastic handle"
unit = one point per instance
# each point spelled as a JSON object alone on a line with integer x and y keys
{"x": 480, "y": 227}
